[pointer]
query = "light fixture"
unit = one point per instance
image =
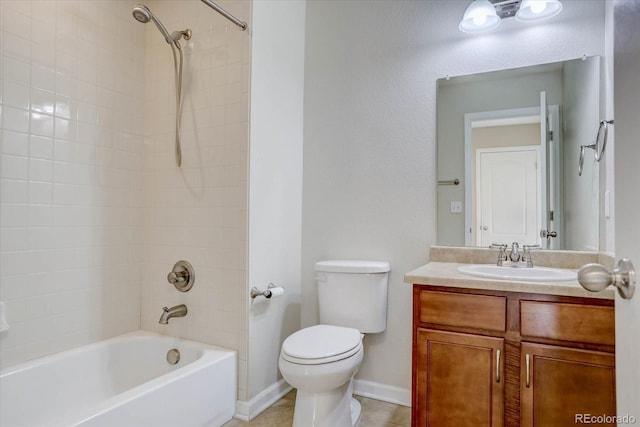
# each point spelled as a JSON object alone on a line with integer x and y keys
{"x": 479, "y": 16}
{"x": 484, "y": 15}
{"x": 535, "y": 10}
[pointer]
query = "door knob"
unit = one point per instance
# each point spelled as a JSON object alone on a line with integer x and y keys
{"x": 595, "y": 278}
{"x": 545, "y": 234}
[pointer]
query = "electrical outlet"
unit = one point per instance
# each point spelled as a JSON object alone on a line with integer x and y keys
{"x": 456, "y": 207}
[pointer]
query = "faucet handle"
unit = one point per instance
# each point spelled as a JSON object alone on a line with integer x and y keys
{"x": 526, "y": 249}
{"x": 526, "y": 253}
{"x": 502, "y": 254}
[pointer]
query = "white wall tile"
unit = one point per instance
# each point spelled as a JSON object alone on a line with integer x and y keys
{"x": 43, "y": 78}
{"x": 40, "y": 170}
{"x": 197, "y": 212}
{"x": 42, "y": 124}
{"x": 53, "y": 200}
{"x": 15, "y": 95}
{"x": 14, "y": 167}
{"x": 15, "y": 119}
{"x": 15, "y": 143}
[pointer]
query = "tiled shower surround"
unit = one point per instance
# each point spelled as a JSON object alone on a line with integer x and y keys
{"x": 94, "y": 211}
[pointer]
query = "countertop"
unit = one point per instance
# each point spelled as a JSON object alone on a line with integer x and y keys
{"x": 447, "y": 274}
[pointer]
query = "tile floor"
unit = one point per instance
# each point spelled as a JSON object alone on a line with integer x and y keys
{"x": 374, "y": 414}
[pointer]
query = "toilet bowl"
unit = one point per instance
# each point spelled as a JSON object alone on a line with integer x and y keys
{"x": 321, "y": 361}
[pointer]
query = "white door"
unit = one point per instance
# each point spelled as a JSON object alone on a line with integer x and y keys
{"x": 627, "y": 197}
{"x": 549, "y": 180}
{"x": 508, "y": 195}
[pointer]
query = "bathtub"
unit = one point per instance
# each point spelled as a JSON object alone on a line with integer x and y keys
{"x": 124, "y": 381}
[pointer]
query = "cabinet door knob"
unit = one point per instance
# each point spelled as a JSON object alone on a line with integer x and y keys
{"x": 498, "y": 365}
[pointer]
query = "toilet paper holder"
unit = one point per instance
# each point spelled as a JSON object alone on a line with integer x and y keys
{"x": 271, "y": 291}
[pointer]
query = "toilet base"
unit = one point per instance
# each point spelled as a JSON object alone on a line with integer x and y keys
{"x": 356, "y": 412}
{"x": 335, "y": 408}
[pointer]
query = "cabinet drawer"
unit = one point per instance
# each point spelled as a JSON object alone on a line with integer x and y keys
{"x": 568, "y": 322}
{"x": 470, "y": 311}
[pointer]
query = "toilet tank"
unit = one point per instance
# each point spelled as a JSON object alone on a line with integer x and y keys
{"x": 353, "y": 294}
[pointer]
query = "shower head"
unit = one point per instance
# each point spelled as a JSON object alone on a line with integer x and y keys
{"x": 141, "y": 13}
{"x": 144, "y": 15}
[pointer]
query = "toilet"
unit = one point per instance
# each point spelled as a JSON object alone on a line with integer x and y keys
{"x": 321, "y": 361}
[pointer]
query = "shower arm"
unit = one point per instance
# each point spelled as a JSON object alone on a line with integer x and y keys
{"x": 241, "y": 24}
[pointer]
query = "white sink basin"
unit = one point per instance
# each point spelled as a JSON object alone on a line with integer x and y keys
{"x": 533, "y": 274}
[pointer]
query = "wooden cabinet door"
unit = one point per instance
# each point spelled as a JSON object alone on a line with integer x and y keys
{"x": 459, "y": 380}
{"x": 562, "y": 386}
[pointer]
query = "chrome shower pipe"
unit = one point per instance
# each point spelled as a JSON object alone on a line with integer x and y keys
{"x": 241, "y": 24}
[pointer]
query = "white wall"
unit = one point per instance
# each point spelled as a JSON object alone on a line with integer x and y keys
{"x": 581, "y": 116}
{"x": 198, "y": 212}
{"x": 275, "y": 191}
{"x": 72, "y": 97}
{"x": 369, "y": 188}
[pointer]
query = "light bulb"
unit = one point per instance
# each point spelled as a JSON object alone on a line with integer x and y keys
{"x": 538, "y": 6}
{"x": 537, "y": 10}
{"x": 480, "y": 16}
{"x": 479, "y": 19}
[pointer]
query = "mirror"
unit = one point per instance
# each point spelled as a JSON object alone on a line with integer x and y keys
{"x": 508, "y": 149}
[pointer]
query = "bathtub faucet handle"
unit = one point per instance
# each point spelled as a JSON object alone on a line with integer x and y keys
{"x": 177, "y": 277}
{"x": 182, "y": 276}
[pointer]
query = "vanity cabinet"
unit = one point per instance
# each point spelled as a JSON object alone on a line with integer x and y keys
{"x": 459, "y": 379}
{"x": 562, "y": 382}
{"x": 494, "y": 358}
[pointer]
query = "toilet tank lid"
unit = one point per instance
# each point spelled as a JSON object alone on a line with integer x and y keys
{"x": 353, "y": 266}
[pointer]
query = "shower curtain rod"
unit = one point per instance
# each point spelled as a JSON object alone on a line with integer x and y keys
{"x": 241, "y": 24}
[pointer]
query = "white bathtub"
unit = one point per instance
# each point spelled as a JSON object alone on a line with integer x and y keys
{"x": 125, "y": 381}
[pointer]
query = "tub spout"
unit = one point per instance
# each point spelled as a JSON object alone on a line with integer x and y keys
{"x": 175, "y": 311}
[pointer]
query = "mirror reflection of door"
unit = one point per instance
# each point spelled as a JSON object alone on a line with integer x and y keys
{"x": 551, "y": 210}
{"x": 513, "y": 184}
{"x": 508, "y": 191}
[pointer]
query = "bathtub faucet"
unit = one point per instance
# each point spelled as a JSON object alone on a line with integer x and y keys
{"x": 175, "y": 311}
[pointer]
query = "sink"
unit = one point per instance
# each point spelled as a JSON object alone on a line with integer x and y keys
{"x": 533, "y": 274}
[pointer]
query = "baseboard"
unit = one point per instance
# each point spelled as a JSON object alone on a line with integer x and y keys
{"x": 248, "y": 410}
{"x": 384, "y": 392}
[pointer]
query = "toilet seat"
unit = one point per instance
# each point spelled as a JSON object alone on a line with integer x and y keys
{"x": 321, "y": 344}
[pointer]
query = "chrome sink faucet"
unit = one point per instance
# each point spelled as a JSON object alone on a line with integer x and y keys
{"x": 175, "y": 311}
{"x": 514, "y": 255}
{"x": 514, "y": 259}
